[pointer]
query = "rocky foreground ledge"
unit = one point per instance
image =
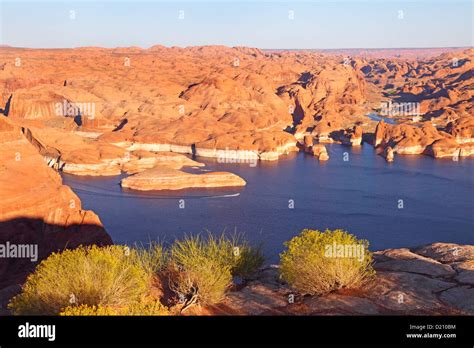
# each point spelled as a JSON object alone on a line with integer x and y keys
{"x": 436, "y": 279}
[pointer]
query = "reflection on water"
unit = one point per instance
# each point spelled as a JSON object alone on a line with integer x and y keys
{"x": 361, "y": 195}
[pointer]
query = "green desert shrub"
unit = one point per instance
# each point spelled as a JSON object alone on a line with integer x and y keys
{"x": 247, "y": 260}
{"x": 317, "y": 262}
{"x": 111, "y": 276}
{"x": 145, "y": 307}
{"x": 201, "y": 269}
{"x": 153, "y": 258}
{"x": 87, "y": 310}
{"x": 151, "y": 307}
{"x": 118, "y": 280}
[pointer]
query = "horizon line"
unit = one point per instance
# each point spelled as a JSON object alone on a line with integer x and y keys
{"x": 242, "y": 46}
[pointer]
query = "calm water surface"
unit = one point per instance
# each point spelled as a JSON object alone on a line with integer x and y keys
{"x": 363, "y": 195}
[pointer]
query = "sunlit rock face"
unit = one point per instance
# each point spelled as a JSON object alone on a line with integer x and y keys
{"x": 172, "y": 179}
{"x": 36, "y": 208}
{"x": 94, "y": 105}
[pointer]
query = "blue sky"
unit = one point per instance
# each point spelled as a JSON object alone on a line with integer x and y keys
{"x": 256, "y": 23}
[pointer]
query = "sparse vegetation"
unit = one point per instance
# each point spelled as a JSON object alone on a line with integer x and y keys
{"x": 149, "y": 307}
{"x": 87, "y": 310}
{"x": 153, "y": 258}
{"x": 317, "y": 262}
{"x": 110, "y": 276}
{"x": 247, "y": 260}
{"x": 118, "y": 280}
{"x": 201, "y": 269}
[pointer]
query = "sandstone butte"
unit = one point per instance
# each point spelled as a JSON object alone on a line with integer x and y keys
{"x": 97, "y": 111}
{"x": 172, "y": 179}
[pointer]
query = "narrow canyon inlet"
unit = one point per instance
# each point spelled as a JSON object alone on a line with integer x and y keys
{"x": 413, "y": 201}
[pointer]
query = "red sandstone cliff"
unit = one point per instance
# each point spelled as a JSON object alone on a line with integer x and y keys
{"x": 36, "y": 208}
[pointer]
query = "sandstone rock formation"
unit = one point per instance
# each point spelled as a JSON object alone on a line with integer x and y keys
{"x": 462, "y": 129}
{"x": 308, "y": 144}
{"x": 352, "y": 137}
{"x": 319, "y": 151}
{"x": 389, "y": 156}
{"x": 170, "y": 179}
{"x": 425, "y": 139}
{"x": 94, "y": 105}
{"x": 356, "y": 136}
{"x": 142, "y": 160}
{"x": 36, "y": 208}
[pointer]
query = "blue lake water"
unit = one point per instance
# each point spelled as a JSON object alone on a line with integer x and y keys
{"x": 362, "y": 195}
{"x": 374, "y": 117}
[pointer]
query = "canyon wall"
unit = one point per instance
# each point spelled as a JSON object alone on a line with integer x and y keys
{"x": 36, "y": 208}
